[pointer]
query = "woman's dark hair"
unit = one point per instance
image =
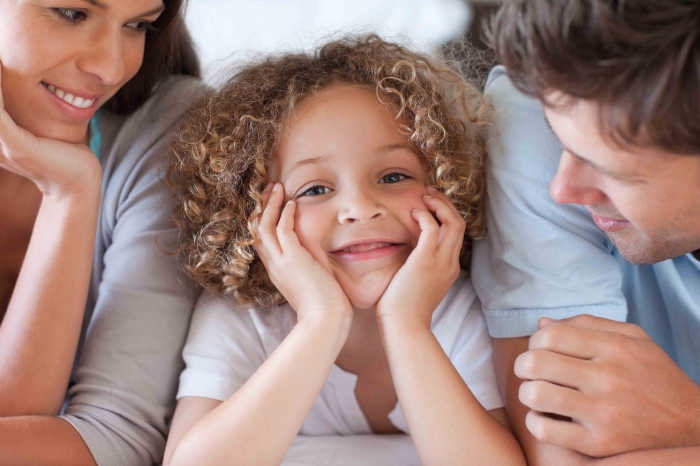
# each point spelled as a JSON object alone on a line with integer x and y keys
{"x": 169, "y": 51}
{"x": 639, "y": 59}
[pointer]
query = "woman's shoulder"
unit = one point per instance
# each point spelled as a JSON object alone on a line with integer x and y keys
{"x": 155, "y": 121}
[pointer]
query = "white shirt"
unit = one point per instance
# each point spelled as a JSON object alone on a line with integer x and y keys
{"x": 226, "y": 345}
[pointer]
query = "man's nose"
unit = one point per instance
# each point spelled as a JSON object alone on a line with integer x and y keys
{"x": 575, "y": 183}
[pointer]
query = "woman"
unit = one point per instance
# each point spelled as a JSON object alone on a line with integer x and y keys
{"x": 102, "y": 73}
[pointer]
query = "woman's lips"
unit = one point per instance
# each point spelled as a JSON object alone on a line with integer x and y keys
{"x": 610, "y": 225}
{"x": 367, "y": 250}
{"x": 69, "y": 110}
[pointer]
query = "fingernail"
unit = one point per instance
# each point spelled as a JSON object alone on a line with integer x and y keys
{"x": 277, "y": 187}
{"x": 268, "y": 187}
{"x": 427, "y": 196}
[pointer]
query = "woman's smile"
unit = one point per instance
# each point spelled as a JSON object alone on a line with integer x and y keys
{"x": 78, "y": 105}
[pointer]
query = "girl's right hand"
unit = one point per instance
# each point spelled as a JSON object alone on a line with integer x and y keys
{"x": 311, "y": 290}
{"x": 57, "y": 168}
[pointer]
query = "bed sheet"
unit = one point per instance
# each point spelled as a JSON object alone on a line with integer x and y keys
{"x": 355, "y": 450}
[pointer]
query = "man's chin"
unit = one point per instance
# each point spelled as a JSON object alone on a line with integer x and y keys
{"x": 643, "y": 253}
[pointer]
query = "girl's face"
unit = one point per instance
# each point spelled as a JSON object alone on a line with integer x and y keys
{"x": 62, "y": 59}
{"x": 355, "y": 180}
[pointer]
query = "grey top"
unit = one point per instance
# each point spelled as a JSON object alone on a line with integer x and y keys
{"x": 139, "y": 305}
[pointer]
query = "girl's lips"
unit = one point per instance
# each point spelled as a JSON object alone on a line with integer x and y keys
{"x": 367, "y": 250}
{"x": 609, "y": 225}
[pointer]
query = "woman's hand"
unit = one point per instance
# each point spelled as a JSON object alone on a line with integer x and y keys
{"x": 311, "y": 290}
{"x": 423, "y": 281}
{"x": 58, "y": 168}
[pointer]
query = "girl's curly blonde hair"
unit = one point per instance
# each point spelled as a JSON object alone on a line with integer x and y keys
{"x": 226, "y": 147}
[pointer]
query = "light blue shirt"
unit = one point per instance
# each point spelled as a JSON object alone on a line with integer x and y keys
{"x": 543, "y": 259}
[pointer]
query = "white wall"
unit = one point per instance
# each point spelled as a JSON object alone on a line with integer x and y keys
{"x": 226, "y": 31}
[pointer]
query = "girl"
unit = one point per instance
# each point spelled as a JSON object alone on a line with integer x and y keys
{"x": 325, "y": 201}
{"x": 117, "y": 76}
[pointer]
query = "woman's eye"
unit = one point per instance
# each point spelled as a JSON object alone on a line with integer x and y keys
{"x": 142, "y": 26}
{"x": 74, "y": 16}
{"x": 316, "y": 191}
{"x": 393, "y": 178}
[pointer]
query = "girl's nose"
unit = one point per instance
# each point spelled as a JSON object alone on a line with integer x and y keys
{"x": 360, "y": 206}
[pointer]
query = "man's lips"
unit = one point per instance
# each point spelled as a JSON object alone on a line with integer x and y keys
{"x": 609, "y": 225}
{"x": 367, "y": 249}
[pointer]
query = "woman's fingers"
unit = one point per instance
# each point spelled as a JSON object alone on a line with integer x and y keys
{"x": 268, "y": 220}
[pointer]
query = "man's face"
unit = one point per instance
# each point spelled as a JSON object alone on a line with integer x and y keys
{"x": 646, "y": 200}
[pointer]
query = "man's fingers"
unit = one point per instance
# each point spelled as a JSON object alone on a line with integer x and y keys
{"x": 565, "y": 434}
{"x": 568, "y": 340}
{"x": 539, "y": 364}
{"x": 551, "y": 398}
{"x": 606, "y": 325}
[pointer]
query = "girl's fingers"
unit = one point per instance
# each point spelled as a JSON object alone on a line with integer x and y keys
{"x": 430, "y": 231}
{"x": 269, "y": 218}
{"x": 285, "y": 229}
{"x": 453, "y": 226}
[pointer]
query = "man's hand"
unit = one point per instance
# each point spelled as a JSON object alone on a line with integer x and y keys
{"x": 621, "y": 390}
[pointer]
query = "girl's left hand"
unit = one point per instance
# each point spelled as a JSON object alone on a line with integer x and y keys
{"x": 433, "y": 266}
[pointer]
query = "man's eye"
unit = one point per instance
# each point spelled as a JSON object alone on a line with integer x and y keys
{"x": 316, "y": 191}
{"x": 74, "y": 16}
{"x": 393, "y": 178}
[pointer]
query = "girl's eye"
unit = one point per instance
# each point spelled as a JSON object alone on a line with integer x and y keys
{"x": 316, "y": 191}
{"x": 393, "y": 178}
{"x": 142, "y": 26}
{"x": 74, "y": 16}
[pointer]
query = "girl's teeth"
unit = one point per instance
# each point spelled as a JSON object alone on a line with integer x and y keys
{"x": 70, "y": 98}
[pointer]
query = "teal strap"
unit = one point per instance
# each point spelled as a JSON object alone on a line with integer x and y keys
{"x": 95, "y": 136}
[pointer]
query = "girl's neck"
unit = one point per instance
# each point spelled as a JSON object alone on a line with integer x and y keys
{"x": 364, "y": 343}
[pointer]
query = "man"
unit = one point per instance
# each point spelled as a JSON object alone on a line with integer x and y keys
{"x": 604, "y": 274}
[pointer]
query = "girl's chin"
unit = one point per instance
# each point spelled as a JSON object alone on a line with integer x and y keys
{"x": 363, "y": 302}
{"x": 366, "y": 295}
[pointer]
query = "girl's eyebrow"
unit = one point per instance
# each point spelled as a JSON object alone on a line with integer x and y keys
{"x": 302, "y": 163}
{"x": 393, "y": 147}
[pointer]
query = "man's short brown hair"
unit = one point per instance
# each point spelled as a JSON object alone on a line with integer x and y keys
{"x": 639, "y": 59}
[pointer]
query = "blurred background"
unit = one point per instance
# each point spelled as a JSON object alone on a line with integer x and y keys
{"x": 227, "y": 32}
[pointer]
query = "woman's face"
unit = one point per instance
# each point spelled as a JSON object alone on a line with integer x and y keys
{"x": 356, "y": 181}
{"x": 63, "y": 59}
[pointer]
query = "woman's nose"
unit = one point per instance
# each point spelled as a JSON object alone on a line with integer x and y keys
{"x": 360, "y": 206}
{"x": 575, "y": 183}
{"x": 104, "y": 57}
